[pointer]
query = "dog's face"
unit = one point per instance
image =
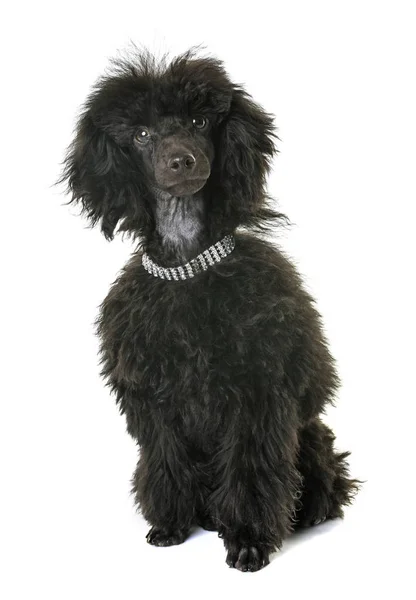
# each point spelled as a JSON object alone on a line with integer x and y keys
{"x": 150, "y": 130}
{"x": 177, "y": 153}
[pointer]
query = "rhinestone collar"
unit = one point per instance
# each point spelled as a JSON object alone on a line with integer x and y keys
{"x": 210, "y": 256}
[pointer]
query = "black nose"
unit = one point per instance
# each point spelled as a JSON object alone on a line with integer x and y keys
{"x": 182, "y": 163}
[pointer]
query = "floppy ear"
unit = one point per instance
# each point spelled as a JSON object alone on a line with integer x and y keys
{"x": 104, "y": 179}
{"x": 246, "y": 146}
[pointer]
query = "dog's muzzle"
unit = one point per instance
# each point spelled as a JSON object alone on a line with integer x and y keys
{"x": 181, "y": 168}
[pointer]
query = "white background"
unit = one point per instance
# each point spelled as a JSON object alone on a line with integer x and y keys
{"x": 340, "y": 78}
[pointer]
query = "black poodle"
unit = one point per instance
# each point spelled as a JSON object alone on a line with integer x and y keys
{"x": 211, "y": 344}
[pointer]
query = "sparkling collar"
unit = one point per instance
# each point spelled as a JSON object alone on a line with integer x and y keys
{"x": 210, "y": 256}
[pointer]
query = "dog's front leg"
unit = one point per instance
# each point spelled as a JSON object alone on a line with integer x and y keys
{"x": 165, "y": 489}
{"x": 256, "y": 491}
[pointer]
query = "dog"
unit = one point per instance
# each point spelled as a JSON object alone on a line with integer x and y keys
{"x": 214, "y": 350}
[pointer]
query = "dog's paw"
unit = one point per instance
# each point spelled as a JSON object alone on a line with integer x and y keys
{"x": 247, "y": 558}
{"x": 159, "y": 536}
{"x": 310, "y": 519}
{"x": 315, "y": 509}
{"x": 208, "y": 523}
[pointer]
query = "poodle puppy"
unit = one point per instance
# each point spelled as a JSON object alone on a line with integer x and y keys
{"x": 209, "y": 341}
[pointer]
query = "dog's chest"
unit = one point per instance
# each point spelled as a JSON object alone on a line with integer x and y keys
{"x": 187, "y": 350}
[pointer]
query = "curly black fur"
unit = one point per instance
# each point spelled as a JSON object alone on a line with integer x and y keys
{"x": 222, "y": 377}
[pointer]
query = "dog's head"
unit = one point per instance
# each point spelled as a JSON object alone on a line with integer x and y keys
{"x": 154, "y": 129}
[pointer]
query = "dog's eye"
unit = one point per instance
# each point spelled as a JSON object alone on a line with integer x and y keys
{"x": 143, "y": 135}
{"x": 199, "y": 122}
